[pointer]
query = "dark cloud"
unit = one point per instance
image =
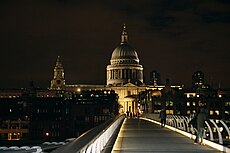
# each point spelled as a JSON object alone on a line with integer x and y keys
{"x": 161, "y": 22}
{"x": 175, "y": 5}
{"x": 225, "y": 1}
{"x": 214, "y": 17}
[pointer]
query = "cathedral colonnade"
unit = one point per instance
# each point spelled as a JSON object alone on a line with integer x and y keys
{"x": 118, "y": 75}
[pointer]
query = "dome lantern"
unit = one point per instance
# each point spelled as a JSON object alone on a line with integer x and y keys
{"x": 124, "y": 35}
{"x": 124, "y": 53}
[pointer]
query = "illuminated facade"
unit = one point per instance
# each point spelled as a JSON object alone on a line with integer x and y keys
{"x": 124, "y": 64}
{"x": 128, "y": 104}
{"x": 58, "y": 81}
{"x": 124, "y": 76}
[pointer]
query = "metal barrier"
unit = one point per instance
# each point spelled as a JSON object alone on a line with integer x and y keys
{"x": 216, "y": 131}
{"x": 94, "y": 140}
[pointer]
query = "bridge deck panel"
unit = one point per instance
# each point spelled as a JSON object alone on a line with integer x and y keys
{"x": 141, "y": 136}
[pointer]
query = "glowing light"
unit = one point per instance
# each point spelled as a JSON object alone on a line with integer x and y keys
{"x": 221, "y": 129}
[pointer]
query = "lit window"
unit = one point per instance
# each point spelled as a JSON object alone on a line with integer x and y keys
{"x": 169, "y": 111}
{"x": 188, "y": 103}
{"x": 227, "y": 103}
{"x": 188, "y": 111}
{"x": 217, "y": 112}
{"x": 211, "y": 112}
{"x": 171, "y": 103}
{"x": 194, "y": 103}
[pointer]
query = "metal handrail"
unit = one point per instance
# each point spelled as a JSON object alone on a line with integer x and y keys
{"x": 181, "y": 122}
{"x": 94, "y": 140}
{"x": 182, "y": 126}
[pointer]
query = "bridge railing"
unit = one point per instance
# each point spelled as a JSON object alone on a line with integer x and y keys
{"x": 217, "y": 131}
{"x": 94, "y": 140}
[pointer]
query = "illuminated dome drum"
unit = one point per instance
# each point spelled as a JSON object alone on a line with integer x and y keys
{"x": 124, "y": 64}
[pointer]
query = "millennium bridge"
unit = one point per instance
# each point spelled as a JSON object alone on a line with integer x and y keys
{"x": 139, "y": 135}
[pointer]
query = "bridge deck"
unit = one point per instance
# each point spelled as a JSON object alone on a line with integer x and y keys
{"x": 141, "y": 136}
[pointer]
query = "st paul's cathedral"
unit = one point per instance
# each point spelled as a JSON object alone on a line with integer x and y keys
{"x": 124, "y": 76}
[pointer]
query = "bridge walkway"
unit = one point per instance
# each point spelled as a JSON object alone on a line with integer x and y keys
{"x": 141, "y": 136}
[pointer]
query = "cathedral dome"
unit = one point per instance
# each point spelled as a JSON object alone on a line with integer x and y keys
{"x": 124, "y": 53}
{"x": 124, "y": 64}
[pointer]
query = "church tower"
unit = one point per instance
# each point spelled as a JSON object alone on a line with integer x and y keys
{"x": 58, "y": 81}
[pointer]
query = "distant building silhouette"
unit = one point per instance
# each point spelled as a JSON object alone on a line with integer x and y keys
{"x": 197, "y": 79}
{"x": 155, "y": 78}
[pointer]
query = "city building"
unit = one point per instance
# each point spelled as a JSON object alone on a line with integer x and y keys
{"x": 124, "y": 76}
{"x": 124, "y": 64}
{"x": 155, "y": 78}
{"x": 58, "y": 81}
{"x": 197, "y": 79}
{"x": 66, "y": 110}
{"x": 68, "y": 114}
{"x": 179, "y": 101}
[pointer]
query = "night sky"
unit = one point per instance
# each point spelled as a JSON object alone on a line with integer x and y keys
{"x": 174, "y": 37}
